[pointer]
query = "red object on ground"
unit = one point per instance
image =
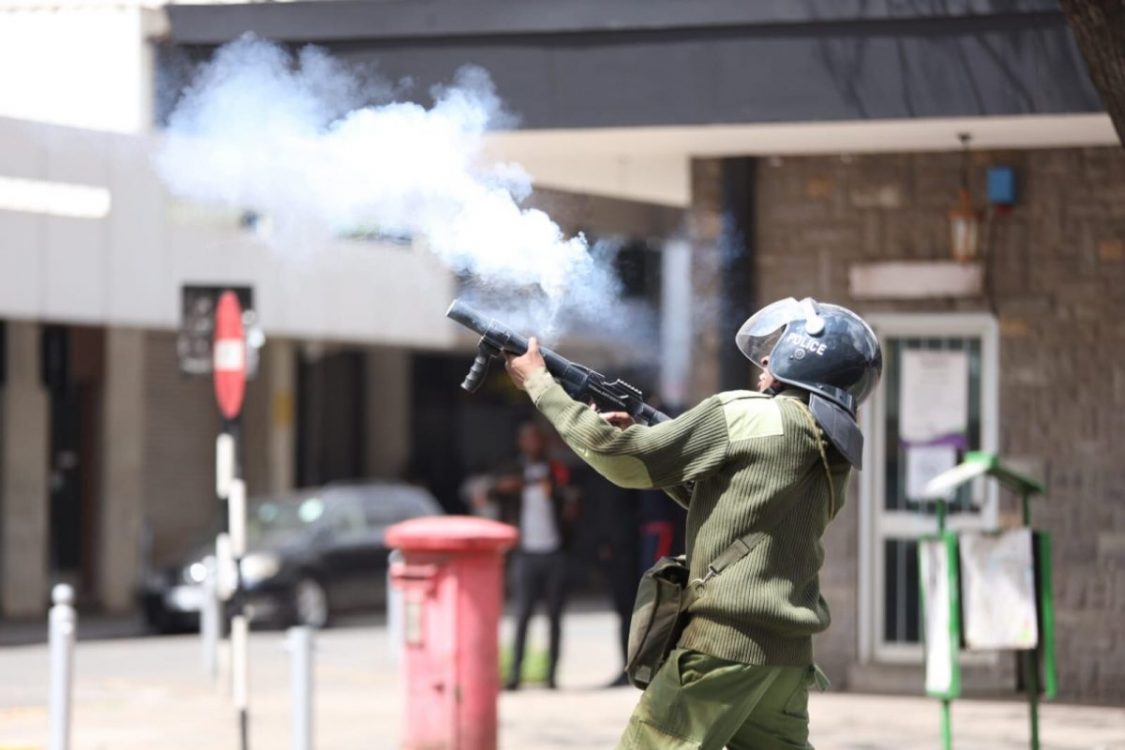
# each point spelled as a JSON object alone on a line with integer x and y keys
{"x": 452, "y": 582}
{"x": 228, "y": 355}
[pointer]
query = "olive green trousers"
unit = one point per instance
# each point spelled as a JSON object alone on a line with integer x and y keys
{"x": 700, "y": 701}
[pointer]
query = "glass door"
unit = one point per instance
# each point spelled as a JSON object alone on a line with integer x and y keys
{"x": 938, "y": 399}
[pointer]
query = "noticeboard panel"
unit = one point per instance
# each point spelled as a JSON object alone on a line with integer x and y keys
{"x": 941, "y": 616}
{"x": 998, "y": 580}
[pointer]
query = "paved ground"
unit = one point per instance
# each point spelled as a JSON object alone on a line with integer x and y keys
{"x": 150, "y": 694}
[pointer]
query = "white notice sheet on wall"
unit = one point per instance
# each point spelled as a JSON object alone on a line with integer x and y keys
{"x": 933, "y": 395}
{"x": 998, "y": 577}
{"x": 923, "y": 463}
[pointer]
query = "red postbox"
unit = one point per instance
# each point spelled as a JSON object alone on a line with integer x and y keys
{"x": 451, "y": 581}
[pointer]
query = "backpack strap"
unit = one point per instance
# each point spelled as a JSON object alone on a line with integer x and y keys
{"x": 742, "y": 546}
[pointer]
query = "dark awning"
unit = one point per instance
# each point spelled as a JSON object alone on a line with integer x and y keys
{"x": 602, "y": 63}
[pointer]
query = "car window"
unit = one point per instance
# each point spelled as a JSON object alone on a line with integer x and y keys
{"x": 344, "y": 515}
{"x": 373, "y": 507}
{"x": 391, "y": 505}
{"x": 272, "y": 518}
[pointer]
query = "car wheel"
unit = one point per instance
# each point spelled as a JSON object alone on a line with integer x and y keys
{"x": 157, "y": 621}
{"x": 310, "y": 603}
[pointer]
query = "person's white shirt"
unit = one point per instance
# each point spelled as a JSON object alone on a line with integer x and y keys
{"x": 538, "y": 529}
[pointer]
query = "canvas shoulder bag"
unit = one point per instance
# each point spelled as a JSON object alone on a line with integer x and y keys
{"x": 659, "y": 616}
{"x": 661, "y": 609}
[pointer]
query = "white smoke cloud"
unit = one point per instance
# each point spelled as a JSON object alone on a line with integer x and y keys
{"x": 290, "y": 139}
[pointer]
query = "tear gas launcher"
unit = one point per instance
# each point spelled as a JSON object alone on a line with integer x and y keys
{"x": 582, "y": 383}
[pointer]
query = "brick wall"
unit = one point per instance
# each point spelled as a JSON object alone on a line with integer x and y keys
{"x": 1058, "y": 275}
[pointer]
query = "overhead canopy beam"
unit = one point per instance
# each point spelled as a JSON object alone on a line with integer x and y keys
{"x": 406, "y": 19}
{"x": 612, "y": 63}
{"x": 651, "y": 164}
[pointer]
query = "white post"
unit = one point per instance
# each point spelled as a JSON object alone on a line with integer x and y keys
{"x": 224, "y": 561}
{"x": 236, "y": 507}
{"x": 239, "y": 627}
{"x": 224, "y": 588}
{"x": 209, "y": 618}
{"x": 301, "y": 686}
{"x": 239, "y": 636}
{"x": 224, "y": 463}
{"x": 62, "y": 625}
{"x": 227, "y": 576}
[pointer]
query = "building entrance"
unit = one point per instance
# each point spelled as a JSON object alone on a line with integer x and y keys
{"x": 73, "y": 372}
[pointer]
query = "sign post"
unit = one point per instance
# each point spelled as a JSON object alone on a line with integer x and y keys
{"x": 229, "y": 373}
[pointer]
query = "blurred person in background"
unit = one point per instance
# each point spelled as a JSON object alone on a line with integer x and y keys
{"x": 762, "y": 474}
{"x": 662, "y": 527}
{"x": 534, "y": 493}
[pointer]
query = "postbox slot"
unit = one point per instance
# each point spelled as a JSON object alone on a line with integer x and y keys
{"x": 414, "y": 572}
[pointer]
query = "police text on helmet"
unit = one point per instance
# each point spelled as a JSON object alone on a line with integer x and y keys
{"x": 812, "y": 345}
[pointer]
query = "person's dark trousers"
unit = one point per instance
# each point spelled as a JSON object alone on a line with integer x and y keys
{"x": 542, "y": 575}
{"x": 622, "y": 576}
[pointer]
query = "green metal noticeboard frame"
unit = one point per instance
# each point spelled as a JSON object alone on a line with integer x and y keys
{"x": 1040, "y": 669}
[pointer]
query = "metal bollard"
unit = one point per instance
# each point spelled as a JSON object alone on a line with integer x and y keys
{"x": 300, "y": 646}
{"x": 209, "y": 618}
{"x": 62, "y": 624}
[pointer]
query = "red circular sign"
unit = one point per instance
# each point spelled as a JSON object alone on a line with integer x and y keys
{"x": 228, "y": 355}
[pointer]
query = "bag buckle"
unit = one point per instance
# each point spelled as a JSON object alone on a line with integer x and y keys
{"x": 711, "y": 573}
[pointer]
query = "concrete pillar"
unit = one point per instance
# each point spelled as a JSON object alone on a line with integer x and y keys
{"x": 123, "y": 457}
{"x": 280, "y": 371}
{"x": 739, "y": 188}
{"x": 721, "y": 232}
{"x": 705, "y": 229}
{"x": 24, "y": 505}
{"x": 388, "y": 401}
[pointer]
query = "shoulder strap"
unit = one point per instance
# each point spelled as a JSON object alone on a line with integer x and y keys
{"x": 742, "y": 546}
{"x": 820, "y": 444}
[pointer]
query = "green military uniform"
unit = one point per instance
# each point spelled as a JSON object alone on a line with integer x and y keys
{"x": 758, "y": 463}
{"x": 701, "y": 701}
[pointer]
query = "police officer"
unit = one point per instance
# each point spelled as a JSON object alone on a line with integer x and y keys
{"x": 761, "y": 474}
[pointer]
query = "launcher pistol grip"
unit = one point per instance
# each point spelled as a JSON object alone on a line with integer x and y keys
{"x": 486, "y": 352}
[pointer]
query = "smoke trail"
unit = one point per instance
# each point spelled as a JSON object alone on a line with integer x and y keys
{"x": 292, "y": 140}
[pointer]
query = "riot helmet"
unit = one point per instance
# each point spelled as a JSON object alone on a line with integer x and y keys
{"x": 825, "y": 349}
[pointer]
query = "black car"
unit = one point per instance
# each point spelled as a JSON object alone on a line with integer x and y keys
{"x": 312, "y": 554}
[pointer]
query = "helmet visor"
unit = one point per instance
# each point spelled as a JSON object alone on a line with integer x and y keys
{"x": 758, "y": 335}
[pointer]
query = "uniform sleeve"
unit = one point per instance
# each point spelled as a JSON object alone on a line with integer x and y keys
{"x": 641, "y": 457}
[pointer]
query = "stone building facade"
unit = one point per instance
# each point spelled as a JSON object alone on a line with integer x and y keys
{"x": 1054, "y": 274}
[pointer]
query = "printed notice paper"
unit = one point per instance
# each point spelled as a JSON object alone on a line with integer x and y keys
{"x": 923, "y": 463}
{"x": 933, "y": 395}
